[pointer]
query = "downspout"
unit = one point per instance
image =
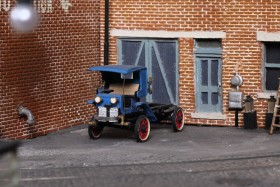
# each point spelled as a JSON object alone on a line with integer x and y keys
{"x": 106, "y": 34}
{"x": 23, "y": 111}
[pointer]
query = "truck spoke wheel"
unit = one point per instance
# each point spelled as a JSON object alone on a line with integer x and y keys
{"x": 178, "y": 119}
{"x": 142, "y": 129}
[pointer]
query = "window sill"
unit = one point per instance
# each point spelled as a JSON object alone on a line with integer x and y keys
{"x": 205, "y": 115}
{"x": 266, "y": 95}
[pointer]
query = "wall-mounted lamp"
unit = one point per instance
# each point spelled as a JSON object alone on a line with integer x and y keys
{"x": 23, "y": 17}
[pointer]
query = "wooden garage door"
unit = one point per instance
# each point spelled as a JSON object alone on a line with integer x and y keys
{"x": 161, "y": 59}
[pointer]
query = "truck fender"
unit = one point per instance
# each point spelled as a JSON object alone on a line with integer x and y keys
{"x": 148, "y": 111}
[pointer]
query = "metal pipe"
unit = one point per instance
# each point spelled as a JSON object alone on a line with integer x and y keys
{"x": 106, "y": 34}
{"x": 236, "y": 117}
{"x": 23, "y": 111}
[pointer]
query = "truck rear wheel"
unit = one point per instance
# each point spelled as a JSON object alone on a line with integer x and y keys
{"x": 178, "y": 119}
{"x": 95, "y": 130}
{"x": 142, "y": 128}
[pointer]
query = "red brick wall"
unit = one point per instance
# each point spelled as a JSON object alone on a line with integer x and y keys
{"x": 46, "y": 70}
{"x": 239, "y": 19}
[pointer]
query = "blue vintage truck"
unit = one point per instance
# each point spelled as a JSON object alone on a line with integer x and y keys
{"x": 120, "y": 103}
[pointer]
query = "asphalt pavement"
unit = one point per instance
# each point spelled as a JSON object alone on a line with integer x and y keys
{"x": 197, "y": 156}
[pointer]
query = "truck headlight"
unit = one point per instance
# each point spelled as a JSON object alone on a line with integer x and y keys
{"x": 98, "y": 99}
{"x": 114, "y": 100}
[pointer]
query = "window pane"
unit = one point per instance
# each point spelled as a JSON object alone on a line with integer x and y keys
{"x": 215, "y": 98}
{"x": 204, "y": 72}
{"x": 208, "y": 43}
{"x": 204, "y": 98}
{"x": 272, "y": 75}
{"x": 273, "y": 52}
{"x": 214, "y": 72}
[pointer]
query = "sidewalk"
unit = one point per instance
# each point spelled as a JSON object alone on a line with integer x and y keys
{"x": 73, "y": 148}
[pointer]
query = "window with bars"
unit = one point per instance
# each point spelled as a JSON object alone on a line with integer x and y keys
{"x": 271, "y": 65}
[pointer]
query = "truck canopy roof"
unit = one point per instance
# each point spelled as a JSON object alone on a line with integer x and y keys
{"x": 123, "y": 69}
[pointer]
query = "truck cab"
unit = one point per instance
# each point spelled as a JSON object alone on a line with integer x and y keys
{"x": 123, "y": 86}
{"x": 119, "y": 103}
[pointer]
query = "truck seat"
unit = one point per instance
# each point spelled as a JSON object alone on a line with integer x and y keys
{"x": 129, "y": 88}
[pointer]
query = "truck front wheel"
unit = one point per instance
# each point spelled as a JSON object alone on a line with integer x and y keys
{"x": 142, "y": 128}
{"x": 95, "y": 130}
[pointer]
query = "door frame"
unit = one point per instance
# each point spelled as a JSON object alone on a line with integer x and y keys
{"x": 208, "y": 48}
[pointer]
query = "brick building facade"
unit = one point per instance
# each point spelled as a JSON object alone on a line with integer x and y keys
{"x": 245, "y": 30}
{"x": 45, "y": 70}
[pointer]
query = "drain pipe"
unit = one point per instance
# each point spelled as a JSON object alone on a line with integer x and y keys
{"x": 106, "y": 34}
{"x": 23, "y": 111}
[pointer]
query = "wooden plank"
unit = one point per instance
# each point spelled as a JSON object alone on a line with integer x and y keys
{"x": 276, "y": 111}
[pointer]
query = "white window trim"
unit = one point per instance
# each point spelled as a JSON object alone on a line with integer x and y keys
{"x": 266, "y": 95}
{"x": 205, "y": 115}
{"x": 167, "y": 34}
{"x": 268, "y": 36}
